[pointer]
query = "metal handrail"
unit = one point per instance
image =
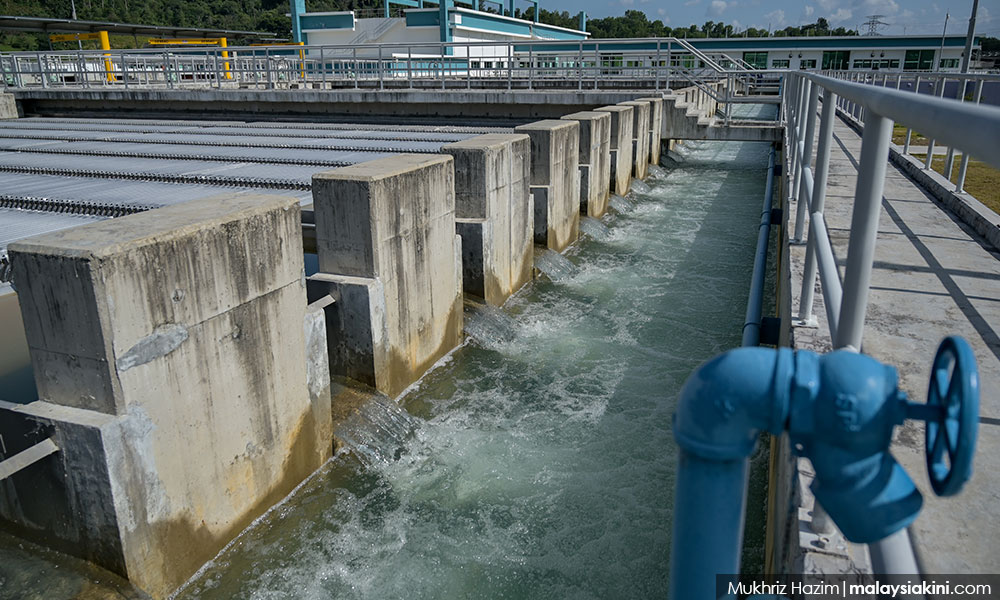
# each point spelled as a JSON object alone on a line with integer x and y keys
{"x": 972, "y": 128}
{"x": 590, "y": 64}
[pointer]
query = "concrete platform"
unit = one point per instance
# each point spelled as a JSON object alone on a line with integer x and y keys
{"x": 933, "y": 277}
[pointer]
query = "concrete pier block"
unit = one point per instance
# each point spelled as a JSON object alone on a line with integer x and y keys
{"x": 389, "y": 256}
{"x": 655, "y": 128}
{"x": 170, "y": 353}
{"x": 555, "y": 181}
{"x": 621, "y": 147}
{"x": 493, "y": 214}
{"x": 8, "y": 106}
{"x": 595, "y": 161}
{"x": 640, "y": 137}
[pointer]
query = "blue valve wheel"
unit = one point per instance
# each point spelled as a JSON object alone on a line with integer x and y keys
{"x": 951, "y": 438}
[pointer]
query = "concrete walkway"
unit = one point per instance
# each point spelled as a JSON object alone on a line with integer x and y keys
{"x": 933, "y": 277}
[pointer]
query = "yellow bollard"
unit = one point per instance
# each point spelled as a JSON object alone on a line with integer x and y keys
{"x": 302, "y": 61}
{"x": 106, "y": 45}
{"x": 225, "y": 56}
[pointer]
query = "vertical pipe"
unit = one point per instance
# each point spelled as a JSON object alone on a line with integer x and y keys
{"x": 893, "y": 555}
{"x": 817, "y": 205}
{"x": 656, "y": 65}
{"x": 909, "y": 131}
{"x": 703, "y": 547}
{"x": 864, "y": 231}
{"x": 802, "y": 199}
{"x": 41, "y": 70}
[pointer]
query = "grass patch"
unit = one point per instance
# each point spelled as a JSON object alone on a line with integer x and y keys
{"x": 899, "y": 136}
{"x": 981, "y": 180}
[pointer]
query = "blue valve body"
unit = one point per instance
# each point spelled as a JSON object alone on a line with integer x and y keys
{"x": 839, "y": 410}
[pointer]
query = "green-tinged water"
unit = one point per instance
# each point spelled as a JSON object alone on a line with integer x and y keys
{"x": 542, "y": 464}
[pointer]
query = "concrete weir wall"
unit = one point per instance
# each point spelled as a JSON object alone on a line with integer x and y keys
{"x": 555, "y": 181}
{"x": 170, "y": 350}
{"x": 640, "y": 137}
{"x": 390, "y": 259}
{"x": 493, "y": 214}
{"x": 621, "y": 147}
{"x": 595, "y": 161}
{"x": 655, "y": 128}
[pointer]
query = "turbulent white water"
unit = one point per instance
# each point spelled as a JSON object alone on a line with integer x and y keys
{"x": 542, "y": 462}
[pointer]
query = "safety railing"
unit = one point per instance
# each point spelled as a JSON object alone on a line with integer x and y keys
{"x": 550, "y": 64}
{"x": 963, "y": 87}
{"x": 972, "y": 128}
{"x": 838, "y": 409}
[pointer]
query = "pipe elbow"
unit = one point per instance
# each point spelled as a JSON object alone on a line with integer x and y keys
{"x": 728, "y": 401}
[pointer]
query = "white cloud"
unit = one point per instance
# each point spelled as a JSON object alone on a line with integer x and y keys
{"x": 717, "y": 7}
{"x": 662, "y": 12}
{"x": 627, "y": 2}
{"x": 692, "y": 3}
{"x": 776, "y": 18}
{"x": 841, "y": 15}
{"x": 809, "y": 10}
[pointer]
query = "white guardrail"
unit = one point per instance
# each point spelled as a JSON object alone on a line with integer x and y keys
{"x": 968, "y": 127}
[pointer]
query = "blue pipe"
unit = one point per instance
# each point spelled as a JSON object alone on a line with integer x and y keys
{"x": 751, "y": 324}
{"x": 839, "y": 410}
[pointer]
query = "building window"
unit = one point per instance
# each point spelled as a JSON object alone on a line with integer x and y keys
{"x": 757, "y": 60}
{"x": 779, "y": 63}
{"x": 807, "y": 63}
{"x": 837, "y": 60}
{"x": 949, "y": 63}
{"x": 918, "y": 60}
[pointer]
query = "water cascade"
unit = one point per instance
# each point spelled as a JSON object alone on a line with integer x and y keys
{"x": 594, "y": 228}
{"x": 556, "y": 266}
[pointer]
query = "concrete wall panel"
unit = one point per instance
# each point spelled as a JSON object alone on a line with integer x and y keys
{"x": 492, "y": 174}
{"x": 640, "y": 137}
{"x": 595, "y": 161}
{"x": 554, "y": 156}
{"x": 199, "y": 330}
{"x": 655, "y": 128}
{"x": 405, "y": 205}
{"x": 621, "y": 147}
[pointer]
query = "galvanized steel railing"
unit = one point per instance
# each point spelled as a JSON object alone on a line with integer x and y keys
{"x": 549, "y": 64}
{"x": 969, "y": 127}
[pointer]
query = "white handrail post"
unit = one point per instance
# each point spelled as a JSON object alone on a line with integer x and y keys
{"x": 930, "y": 142}
{"x": 864, "y": 231}
{"x": 960, "y": 182}
{"x": 816, "y": 206}
{"x": 806, "y": 148}
{"x": 801, "y": 99}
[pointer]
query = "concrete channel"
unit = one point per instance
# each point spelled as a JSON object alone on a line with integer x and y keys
{"x": 186, "y": 373}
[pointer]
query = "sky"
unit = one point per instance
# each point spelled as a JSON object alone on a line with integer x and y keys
{"x": 903, "y": 16}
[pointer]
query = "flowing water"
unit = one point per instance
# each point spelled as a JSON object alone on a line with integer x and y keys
{"x": 594, "y": 228}
{"x": 538, "y": 460}
{"x": 620, "y": 204}
{"x": 554, "y": 265}
{"x": 541, "y": 461}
